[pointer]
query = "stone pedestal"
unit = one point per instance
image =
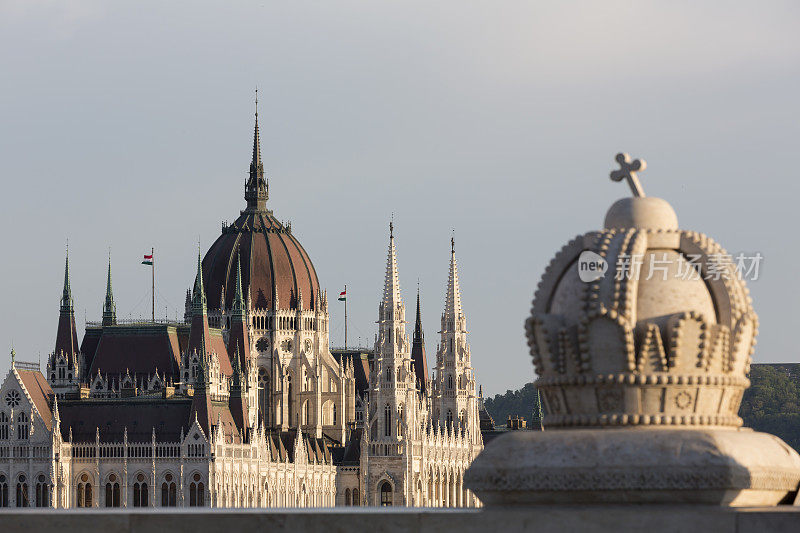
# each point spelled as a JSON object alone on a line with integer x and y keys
{"x": 729, "y": 467}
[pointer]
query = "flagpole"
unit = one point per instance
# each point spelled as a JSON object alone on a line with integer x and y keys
{"x": 153, "y": 266}
{"x": 345, "y": 317}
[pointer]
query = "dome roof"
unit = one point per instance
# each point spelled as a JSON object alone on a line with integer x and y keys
{"x": 275, "y": 266}
{"x": 276, "y": 270}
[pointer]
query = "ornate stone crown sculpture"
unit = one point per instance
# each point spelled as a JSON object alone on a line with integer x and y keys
{"x": 641, "y": 335}
{"x": 663, "y": 338}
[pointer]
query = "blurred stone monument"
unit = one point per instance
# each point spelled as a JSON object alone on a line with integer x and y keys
{"x": 641, "y": 336}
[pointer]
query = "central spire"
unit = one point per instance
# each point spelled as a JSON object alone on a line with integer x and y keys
{"x": 256, "y": 190}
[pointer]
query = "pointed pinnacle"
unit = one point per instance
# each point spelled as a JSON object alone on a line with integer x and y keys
{"x": 199, "y": 296}
{"x": 66, "y": 297}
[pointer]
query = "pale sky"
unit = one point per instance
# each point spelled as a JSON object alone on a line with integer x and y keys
{"x": 128, "y": 125}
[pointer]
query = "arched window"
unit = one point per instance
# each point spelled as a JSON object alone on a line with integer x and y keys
{"x": 333, "y": 410}
{"x": 462, "y": 418}
{"x": 84, "y": 492}
{"x": 140, "y": 491}
{"x": 4, "y": 423}
{"x": 112, "y": 491}
{"x": 387, "y": 420}
{"x": 347, "y": 496}
{"x": 386, "y": 494}
{"x": 400, "y": 419}
{"x": 449, "y": 381}
{"x": 356, "y": 498}
{"x": 197, "y": 495}
{"x": 399, "y": 375}
{"x": 168, "y": 492}
{"x": 22, "y": 427}
{"x": 22, "y": 491}
{"x": 42, "y": 492}
{"x": 3, "y": 491}
{"x": 263, "y": 394}
{"x": 449, "y": 416}
{"x": 306, "y": 413}
{"x": 289, "y": 398}
{"x": 388, "y": 375}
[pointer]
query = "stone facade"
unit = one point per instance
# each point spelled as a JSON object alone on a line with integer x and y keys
{"x": 242, "y": 404}
{"x": 410, "y": 453}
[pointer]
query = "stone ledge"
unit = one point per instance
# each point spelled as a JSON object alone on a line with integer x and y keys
{"x": 542, "y": 519}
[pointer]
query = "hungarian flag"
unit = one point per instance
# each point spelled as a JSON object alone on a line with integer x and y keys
{"x": 148, "y": 260}
{"x": 343, "y": 296}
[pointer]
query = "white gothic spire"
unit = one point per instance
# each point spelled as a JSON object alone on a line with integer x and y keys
{"x": 391, "y": 288}
{"x": 452, "y": 303}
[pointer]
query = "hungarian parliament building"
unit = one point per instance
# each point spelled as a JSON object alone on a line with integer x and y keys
{"x": 243, "y": 403}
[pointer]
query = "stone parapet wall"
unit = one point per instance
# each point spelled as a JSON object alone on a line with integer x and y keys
{"x": 542, "y": 519}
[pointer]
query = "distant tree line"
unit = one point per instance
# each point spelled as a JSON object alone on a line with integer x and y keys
{"x": 771, "y": 404}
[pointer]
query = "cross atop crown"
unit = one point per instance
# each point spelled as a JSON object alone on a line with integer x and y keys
{"x": 627, "y": 170}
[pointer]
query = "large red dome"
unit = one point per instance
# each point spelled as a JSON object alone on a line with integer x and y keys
{"x": 275, "y": 267}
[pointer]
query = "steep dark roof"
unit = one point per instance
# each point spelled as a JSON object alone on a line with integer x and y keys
{"x": 140, "y": 348}
{"x": 67, "y": 336}
{"x": 91, "y": 339}
{"x": 140, "y": 416}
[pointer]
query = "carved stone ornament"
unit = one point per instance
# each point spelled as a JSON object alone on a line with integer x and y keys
{"x": 641, "y": 336}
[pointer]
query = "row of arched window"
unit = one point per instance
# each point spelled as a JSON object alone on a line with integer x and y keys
{"x": 284, "y": 322}
{"x": 7, "y": 428}
{"x": 352, "y": 497}
{"x": 22, "y": 495}
{"x": 141, "y": 494}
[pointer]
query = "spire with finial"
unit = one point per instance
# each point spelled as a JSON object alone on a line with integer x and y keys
{"x": 238, "y": 335}
{"x": 13, "y": 356}
{"x": 452, "y": 307}
{"x": 391, "y": 289}
{"x": 109, "y": 307}
{"x": 239, "y": 308}
{"x": 199, "y": 296}
{"x": 256, "y": 190}
{"x": 67, "y": 333}
{"x": 418, "y": 357}
{"x": 67, "y": 305}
